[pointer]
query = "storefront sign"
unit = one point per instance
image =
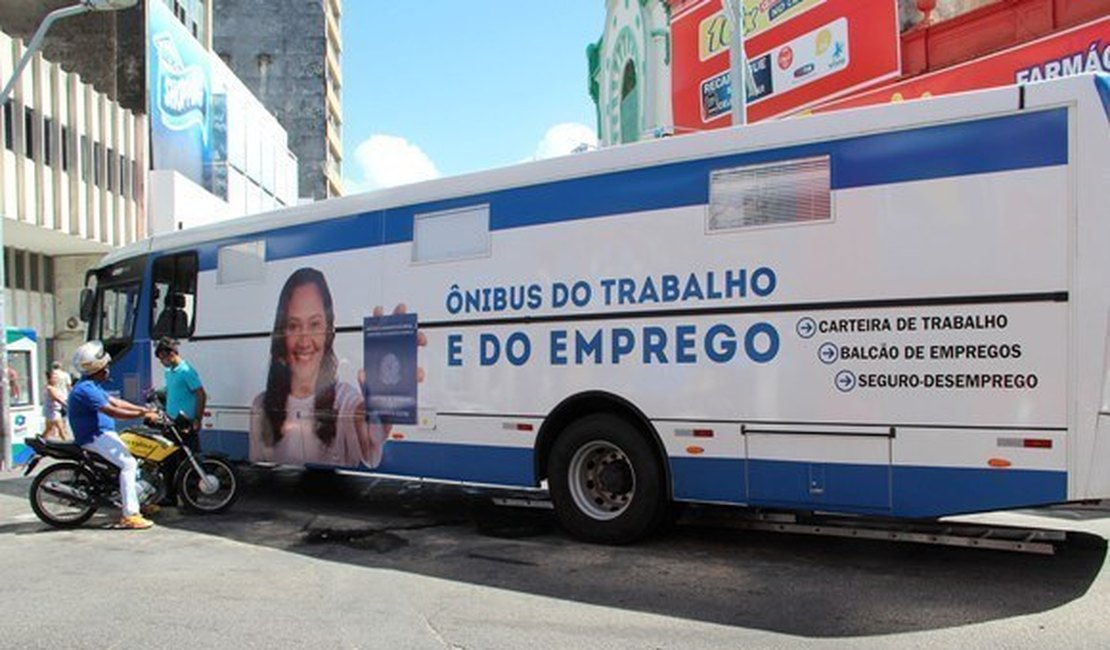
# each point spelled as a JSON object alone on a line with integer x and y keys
{"x": 801, "y": 53}
{"x": 1082, "y": 49}
{"x": 715, "y": 31}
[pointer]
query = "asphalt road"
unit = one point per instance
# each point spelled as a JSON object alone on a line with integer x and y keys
{"x": 335, "y": 561}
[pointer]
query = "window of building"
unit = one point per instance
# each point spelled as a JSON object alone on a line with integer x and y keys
{"x": 33, "y": 260}
{"x": 47, "y": 274}
{"x": 124, "y": 177}
{"x": 29, "y": 132}
{"x": 65, "y": 144}
{"x": 9, "y": 127}
{"x": 97, "y": 164}
{"x": 86, "y": 158}
{"x": 19, "y": 261}
{"x": 48, "y": 141}
{"x": 7, "y": 268}
{"x": 110, "y": 163}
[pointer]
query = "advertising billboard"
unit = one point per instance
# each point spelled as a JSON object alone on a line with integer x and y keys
{"x": 188, "y": 124}
{"x": 799, "y": 53}
{"x": 1085, "y": 48}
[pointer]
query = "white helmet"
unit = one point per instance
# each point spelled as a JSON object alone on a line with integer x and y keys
{"x": 90, "y": 358}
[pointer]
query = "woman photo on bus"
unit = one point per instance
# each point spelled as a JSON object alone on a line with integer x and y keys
{"x": 306, "y": 415}
{"x": 54, "y": 396}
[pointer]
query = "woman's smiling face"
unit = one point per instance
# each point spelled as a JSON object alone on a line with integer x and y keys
{"x": 306, "y": 329}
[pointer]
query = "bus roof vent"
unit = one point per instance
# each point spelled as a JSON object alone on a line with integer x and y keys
{"x": 770, "y": 194}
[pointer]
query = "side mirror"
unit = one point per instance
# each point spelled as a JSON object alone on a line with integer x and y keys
{"x": 155, "y": 396}
{"x": 88, "y": 303}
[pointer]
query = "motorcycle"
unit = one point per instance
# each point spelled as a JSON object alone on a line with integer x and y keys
{"x": 68, "y": 493}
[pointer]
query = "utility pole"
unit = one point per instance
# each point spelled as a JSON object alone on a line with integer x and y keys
{"x": 738, "y": 61}
{"x": 84, "y": 6}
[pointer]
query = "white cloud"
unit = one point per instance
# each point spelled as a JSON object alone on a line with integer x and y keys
{"x": 563, "y": 139}
{"x": 388, "y": 161}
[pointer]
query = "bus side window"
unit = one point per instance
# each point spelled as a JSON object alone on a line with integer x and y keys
{"x": 174, "y": 295}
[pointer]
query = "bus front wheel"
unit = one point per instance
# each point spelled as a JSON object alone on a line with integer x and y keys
{"x": 605, "y": 480}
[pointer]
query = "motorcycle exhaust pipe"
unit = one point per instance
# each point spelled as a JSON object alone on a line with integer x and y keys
{"x": 63, "y": 490}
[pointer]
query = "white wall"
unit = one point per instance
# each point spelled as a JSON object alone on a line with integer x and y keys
{"x": 177, "y": 203}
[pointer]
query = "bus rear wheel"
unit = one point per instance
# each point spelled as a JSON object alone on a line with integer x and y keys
{"x": 606, "y": 482}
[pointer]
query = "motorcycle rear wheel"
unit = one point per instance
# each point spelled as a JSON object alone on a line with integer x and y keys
{"x": 57, "y": 509}
{"x": 194, "y": 495}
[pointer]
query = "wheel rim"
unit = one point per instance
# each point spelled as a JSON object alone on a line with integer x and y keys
{"x": 602, "y": 480}
{"x": 56, "y": 506}
{"x": 213, "y": 490}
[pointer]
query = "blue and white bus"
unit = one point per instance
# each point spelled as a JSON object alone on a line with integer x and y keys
{"x": 899, "y": 311}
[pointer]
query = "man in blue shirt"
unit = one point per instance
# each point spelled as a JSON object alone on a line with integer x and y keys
{"x": 184, "y": 394}
{"x": 184, "y": 390}
{"x": 90, "y": 416}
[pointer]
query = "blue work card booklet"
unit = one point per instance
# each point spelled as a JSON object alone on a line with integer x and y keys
{"x": 389, "y": 361}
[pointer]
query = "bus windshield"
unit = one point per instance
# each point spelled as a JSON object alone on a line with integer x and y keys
{"x": 118, "y": 289}
{"x": 115, "y": 314}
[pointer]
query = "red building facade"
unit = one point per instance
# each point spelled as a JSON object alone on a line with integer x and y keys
{"x": 945, "y": 46}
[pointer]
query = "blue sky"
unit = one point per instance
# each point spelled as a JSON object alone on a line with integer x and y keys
{"x": 444, "y": 87}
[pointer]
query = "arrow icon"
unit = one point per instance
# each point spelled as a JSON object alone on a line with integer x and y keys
{"x": 806, "y": 328}
{"x": 828, "y": 353}
{"x": 845, "y": 381}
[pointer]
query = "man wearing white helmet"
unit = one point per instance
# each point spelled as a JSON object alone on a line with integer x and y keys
{"x": 90, "y": 417}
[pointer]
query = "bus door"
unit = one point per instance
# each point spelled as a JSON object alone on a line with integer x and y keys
{"x": 111, "y": 306}
{"x": 173, "y": 306}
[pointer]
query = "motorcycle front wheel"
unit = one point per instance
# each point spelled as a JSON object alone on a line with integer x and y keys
{"x": 214, "y": 492}
{"x": 62, "y": 495}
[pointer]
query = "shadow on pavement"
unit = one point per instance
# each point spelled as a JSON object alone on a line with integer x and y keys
{"x": 799, "y": 585}
{"x": 13, "y": 484}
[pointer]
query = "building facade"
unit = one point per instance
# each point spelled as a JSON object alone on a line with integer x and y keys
{"x": 630, "y": 72}
{"x": 72, "y": 187}
{"x": 217, "y": 153}
{"x": 196, "y": 16}
{"x": 124, "y": 125}
{"x": 928, "y": 47}
{"x": 287, "y": 52}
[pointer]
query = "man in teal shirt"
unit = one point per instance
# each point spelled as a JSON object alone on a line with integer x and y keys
{"x": 184, "y": 390}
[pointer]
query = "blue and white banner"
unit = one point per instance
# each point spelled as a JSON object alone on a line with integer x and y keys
{"x": 186, "y": 133}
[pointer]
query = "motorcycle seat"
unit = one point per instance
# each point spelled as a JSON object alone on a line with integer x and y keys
{"x": 62, "y": 449}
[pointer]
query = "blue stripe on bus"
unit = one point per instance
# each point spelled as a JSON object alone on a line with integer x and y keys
{"x": 455, "y": 462}
{"x": 448, "y": 462}
{"x": 233, "y": 444}
{"x": 709, "y": 479}
{"x": 903, "y": 491}
{"x": 936, "y": 491}
{"x": 824, "y": 486}
{"x": 1023, "y": 141}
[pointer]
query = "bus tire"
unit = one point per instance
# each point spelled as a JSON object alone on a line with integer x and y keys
{"x": 606, "y": 481}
